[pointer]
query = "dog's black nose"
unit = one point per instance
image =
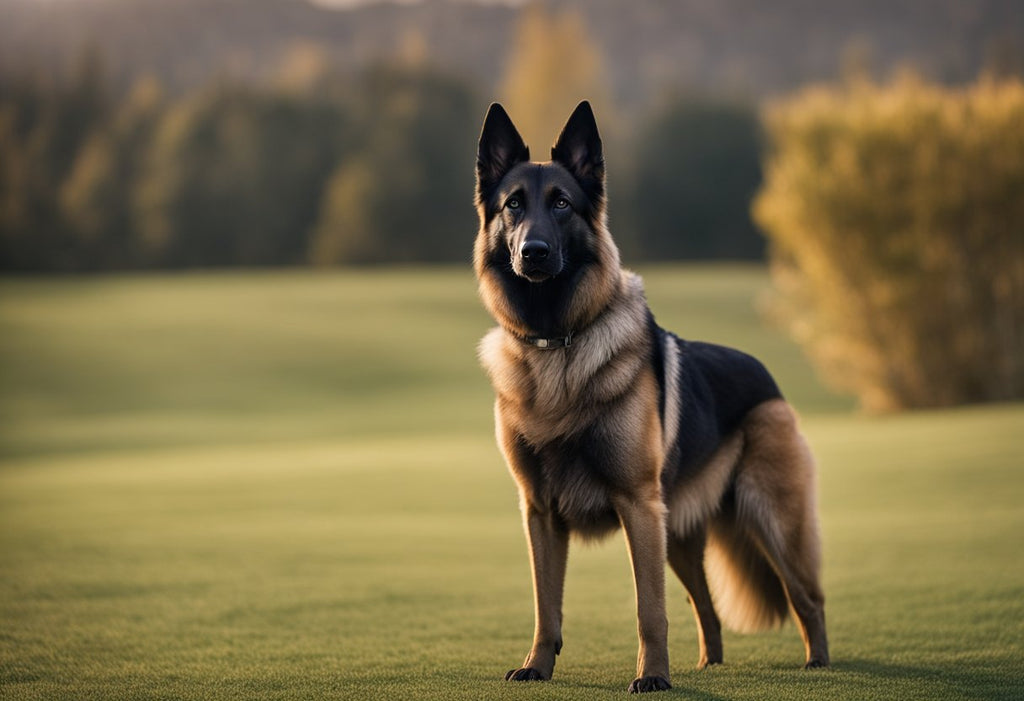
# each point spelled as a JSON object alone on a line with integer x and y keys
{"x": 534, "y": 251}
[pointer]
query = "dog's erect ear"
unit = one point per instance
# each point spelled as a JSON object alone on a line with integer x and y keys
{"x": 578, "y": 148}
{"x": 499, "y": 150}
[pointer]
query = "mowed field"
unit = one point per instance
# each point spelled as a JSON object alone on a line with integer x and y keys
{"x": 284, "y": 485}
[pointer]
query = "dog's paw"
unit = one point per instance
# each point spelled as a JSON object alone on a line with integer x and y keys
{"x": 704, "y": 664}
{"x": 526, "y": 674}
{"x": 645, "y": 684}
{"x": 816, "y": 664}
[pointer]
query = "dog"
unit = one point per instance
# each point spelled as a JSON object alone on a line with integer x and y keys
{"x": 606, "y": 420}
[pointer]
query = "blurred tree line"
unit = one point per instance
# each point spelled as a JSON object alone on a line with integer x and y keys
{"x": 323, "y": 168}
{"x": 359, "y": 170}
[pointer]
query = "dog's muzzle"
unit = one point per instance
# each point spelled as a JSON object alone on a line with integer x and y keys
{"x": 536, "y": 261}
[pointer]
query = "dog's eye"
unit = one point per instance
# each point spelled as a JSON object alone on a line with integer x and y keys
{"x": 512, "y": 203}
{"x": 561, "y": 203}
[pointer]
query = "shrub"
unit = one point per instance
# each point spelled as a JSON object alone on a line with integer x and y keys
{"x": 895, "y": 216}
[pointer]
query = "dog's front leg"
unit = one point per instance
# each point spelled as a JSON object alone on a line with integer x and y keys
{"x": 644, "y": 523}
{"x": 548, "y": 539}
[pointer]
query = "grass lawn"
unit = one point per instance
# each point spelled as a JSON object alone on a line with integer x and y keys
{"x": 285, "y": 486}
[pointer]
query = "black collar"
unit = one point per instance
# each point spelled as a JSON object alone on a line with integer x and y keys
{"x": 546, "y": 343}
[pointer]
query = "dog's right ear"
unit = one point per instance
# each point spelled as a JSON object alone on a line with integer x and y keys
{"x": 499, "y": 150}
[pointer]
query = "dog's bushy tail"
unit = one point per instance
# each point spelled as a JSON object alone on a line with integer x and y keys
{"x": 748, "y": 594}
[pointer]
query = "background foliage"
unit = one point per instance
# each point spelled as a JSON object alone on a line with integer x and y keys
{"x": 896, "y": 218}
{"x": 369, "y": 169}
{"x": 302, "y": 135}
{"x": 301, "y": 157}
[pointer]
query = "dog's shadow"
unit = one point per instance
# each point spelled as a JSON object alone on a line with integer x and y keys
{"x": 965, "y": 681}
{"x": 956, "y": 682}
{"x": 846, "y": 678}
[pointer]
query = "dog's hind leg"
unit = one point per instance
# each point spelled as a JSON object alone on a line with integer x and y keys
{"x": 775, "y": 493}
{"x": 686, "y": 556}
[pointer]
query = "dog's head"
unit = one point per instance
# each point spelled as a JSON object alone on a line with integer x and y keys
{"x": 539, "y": 216}
{"x": 544, "y": 259}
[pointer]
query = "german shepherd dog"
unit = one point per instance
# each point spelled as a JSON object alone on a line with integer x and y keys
{"x": 605, "y": 419}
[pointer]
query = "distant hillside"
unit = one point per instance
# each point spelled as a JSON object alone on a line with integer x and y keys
{"x": 747, "y": 46}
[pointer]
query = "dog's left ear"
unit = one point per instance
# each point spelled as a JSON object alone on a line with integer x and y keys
{"x": 578, "y": 148}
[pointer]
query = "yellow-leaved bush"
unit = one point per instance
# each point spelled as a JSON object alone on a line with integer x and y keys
{"x": 895, "y": 216}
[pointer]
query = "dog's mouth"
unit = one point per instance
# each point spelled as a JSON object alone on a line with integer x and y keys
{"x": 536, "y": 276}
{"x": 536, "y": 273}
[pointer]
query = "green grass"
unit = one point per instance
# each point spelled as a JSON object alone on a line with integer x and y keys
{"x": 284, "y": 486}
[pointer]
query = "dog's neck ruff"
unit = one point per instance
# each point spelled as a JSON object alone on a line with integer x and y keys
{"x": 629, "y": 295}
{"x": 545, "y": 343}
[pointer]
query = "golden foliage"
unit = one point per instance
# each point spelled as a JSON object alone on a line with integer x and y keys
{"x": 553, "y": 65}
{"x": 896, "y": 220}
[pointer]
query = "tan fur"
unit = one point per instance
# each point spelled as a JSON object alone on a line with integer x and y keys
{"x": 693, "y": 501}
{"x": 739, "y": 577}
{"x": 673, "y": 402}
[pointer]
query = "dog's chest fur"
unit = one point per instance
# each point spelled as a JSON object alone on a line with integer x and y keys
{"x": 570, "y": 411}
{"x": 555, "y": 394}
